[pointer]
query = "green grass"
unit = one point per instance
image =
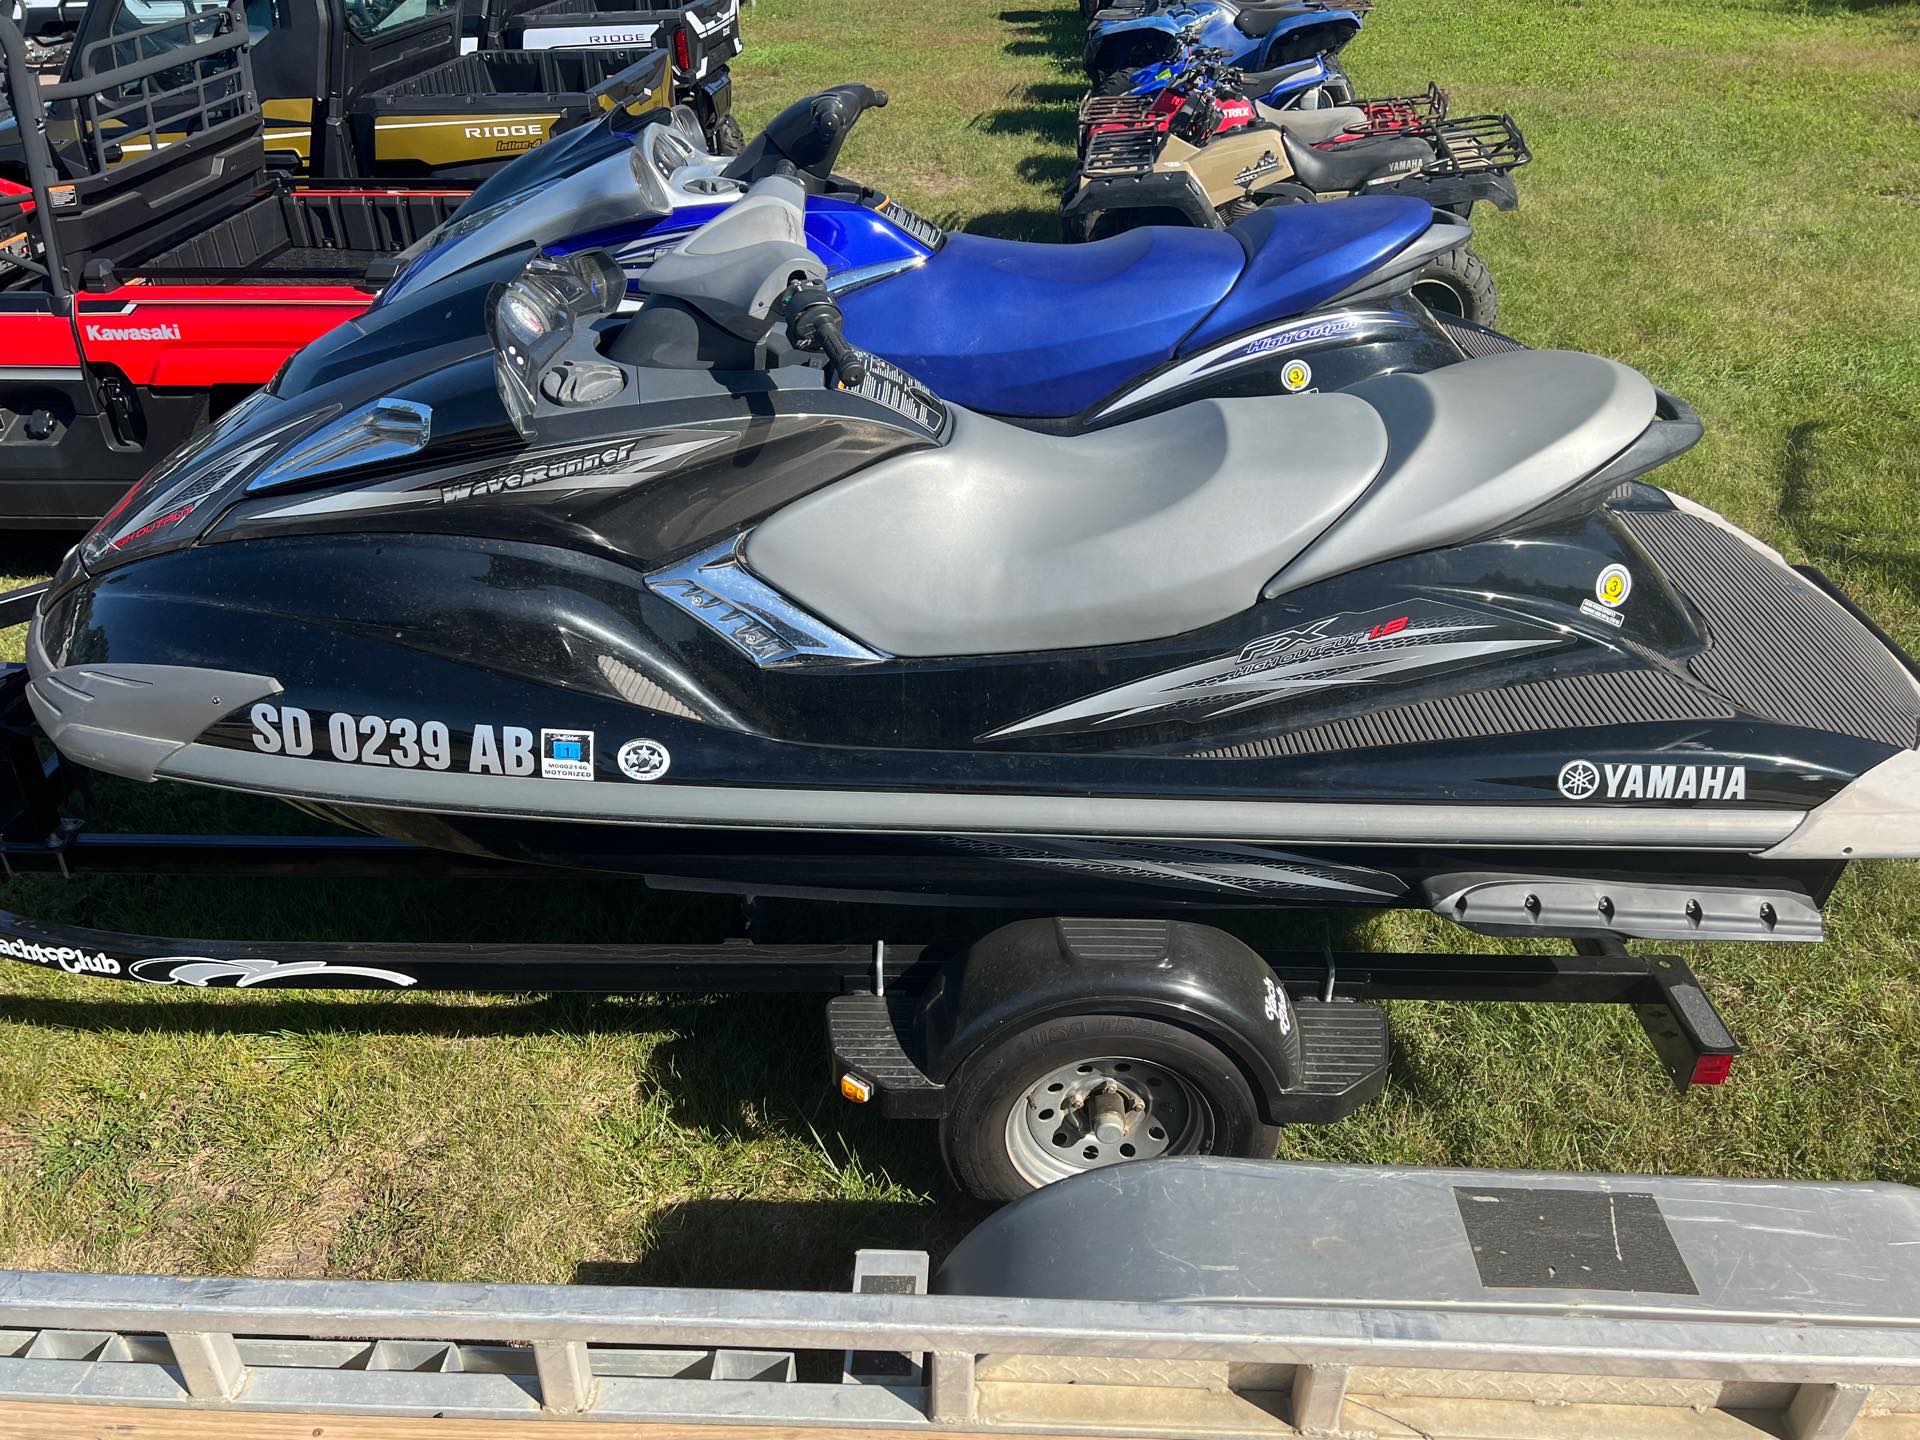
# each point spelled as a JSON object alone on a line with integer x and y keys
{"x": 1727, "y": 195}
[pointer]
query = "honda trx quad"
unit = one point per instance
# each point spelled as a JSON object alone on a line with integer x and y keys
{"x": 371, "y": 89}
{"x": 160, "y": 279}
{"x": 1205, "y": 161}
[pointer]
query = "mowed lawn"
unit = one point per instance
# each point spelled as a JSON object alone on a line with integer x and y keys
{"x": 1727, "y": 195}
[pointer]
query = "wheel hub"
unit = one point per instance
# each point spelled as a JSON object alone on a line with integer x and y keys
{"x": 1098, "y": 1112}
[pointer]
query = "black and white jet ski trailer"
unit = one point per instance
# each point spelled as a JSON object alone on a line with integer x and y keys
{"x": 698, "y": 595}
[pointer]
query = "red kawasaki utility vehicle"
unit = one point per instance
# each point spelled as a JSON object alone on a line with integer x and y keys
{"x": 162, "y": 269}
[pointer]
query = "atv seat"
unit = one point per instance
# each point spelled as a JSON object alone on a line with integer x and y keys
{"x": 1257, "y": 21}
{"x": 1264, "y": 82}
{"x": 1133, "y": 300}
{"x": 1353, "y": 164}
{"x": 1314, "y": 126}
{"x": 1003, "y": 541}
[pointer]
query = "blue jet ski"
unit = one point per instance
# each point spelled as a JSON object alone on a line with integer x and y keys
{"x": 1307, "y": 297}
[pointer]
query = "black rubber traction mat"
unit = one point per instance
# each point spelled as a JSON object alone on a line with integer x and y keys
{"x": 1565, "y": 702}
{"x": 1778, "y": 645}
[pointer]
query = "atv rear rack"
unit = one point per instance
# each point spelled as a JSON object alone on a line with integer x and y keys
{"x": 1116, "y": 110}
{"x": 1399, "y": 112}
{"x": 1477, "y": 145}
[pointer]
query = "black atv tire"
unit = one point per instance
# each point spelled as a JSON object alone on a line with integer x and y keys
{"x": 991, "y": 1092}
{"x": 728, "y": 137}
{"x": 1118, "y": 83}
{"x": 1458, "y": 284}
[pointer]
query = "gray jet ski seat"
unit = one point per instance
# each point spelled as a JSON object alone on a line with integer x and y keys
{"x": 1004, "y": 540}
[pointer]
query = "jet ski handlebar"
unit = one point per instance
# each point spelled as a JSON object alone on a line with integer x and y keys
{"x": 814, "y": 323}
{"x": 807, "y": 134}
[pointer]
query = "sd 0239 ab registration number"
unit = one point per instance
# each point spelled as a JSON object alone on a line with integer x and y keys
{"x": 377, "y": 740}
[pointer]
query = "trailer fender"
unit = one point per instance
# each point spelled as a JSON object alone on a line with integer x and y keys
{"x": 1193, "y": 976}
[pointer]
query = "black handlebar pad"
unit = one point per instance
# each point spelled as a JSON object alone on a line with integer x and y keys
{"x": 807, "y": 134}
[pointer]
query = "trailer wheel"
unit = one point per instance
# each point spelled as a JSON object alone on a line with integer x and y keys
{"x": 1087, "y": 1091}
{"x": 728, "y": 137}
{"x": 1458, "y": 284}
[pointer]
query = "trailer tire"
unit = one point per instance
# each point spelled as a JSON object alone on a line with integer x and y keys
{"x": 1458, "y": 284}
{"x": 993, "y": 1134}
{"x": 728, "y": 137}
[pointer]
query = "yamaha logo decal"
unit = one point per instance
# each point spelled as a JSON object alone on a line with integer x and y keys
{"x": 1579, "y": 779}
{"x": 1584, "y": 780}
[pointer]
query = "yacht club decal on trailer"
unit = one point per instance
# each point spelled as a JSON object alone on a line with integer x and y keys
{"x": 1335, "y": 652}
{"x": 199, "y": 971}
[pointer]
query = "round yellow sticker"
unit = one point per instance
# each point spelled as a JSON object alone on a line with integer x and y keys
{"x": 1613, "y": 586}
{"x": 1297, "y": 375}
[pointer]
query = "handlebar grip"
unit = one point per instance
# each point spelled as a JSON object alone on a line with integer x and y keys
{"x": 846, "y": 360}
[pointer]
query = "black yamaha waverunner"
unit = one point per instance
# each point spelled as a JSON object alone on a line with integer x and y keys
{"x": 702, "y": 595}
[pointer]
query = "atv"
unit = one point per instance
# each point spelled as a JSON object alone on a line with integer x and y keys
{"x": 371, "y": 89}
{"x": 1201, "y": 160}
{"x": 1317, "y": 82}
{"x": 1128, "y": 43}
{"x": 1213, "y": 98}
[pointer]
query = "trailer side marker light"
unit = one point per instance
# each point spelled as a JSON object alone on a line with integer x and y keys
{"x": 856, "y": 1089}
{"x": 1712, "y": 1069}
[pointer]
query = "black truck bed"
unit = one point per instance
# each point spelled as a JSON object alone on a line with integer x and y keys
{"x": 291, "y": 237}
{"x": 503, "y": 82}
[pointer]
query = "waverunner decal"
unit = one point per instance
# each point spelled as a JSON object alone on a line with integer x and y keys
{"x": 1302, "y": 660}
{"x": 1584, "y": 780}
{"x": 1244, "y": 869}
{"x": 574, "y": 469}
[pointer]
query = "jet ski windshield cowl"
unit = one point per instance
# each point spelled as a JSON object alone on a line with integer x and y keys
{"x": 620, "y": 185}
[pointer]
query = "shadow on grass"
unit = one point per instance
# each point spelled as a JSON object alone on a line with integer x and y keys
{"x": 1057, "y": 32}
{"x": 776, "y": 1244}
{"x": 1830, "y": 540}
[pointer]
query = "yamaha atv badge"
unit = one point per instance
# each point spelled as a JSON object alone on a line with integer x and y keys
{"x": 644, "y": 759}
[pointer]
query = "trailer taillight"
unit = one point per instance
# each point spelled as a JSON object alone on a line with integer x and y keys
{"x": 1711, "y": 1069}
{"x": 682, "y": 50}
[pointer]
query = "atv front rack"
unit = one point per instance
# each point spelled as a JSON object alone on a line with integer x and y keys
{"x": 1128, "y": 150}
